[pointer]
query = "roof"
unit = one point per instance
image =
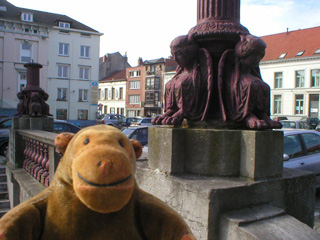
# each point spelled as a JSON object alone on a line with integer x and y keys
{"x": 305, "y": 41}
{"x": 116, "y": 76}
{"x": 51, "y": 19}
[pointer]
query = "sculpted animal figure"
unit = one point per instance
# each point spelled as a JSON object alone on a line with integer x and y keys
{"x": 94, "y": 195}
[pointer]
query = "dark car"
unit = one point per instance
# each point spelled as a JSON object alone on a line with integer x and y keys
{"x": 302, "y": 151}
{"x": 4, "y": 140}
{"x": 62, "y": 126}
{"x": 6, "y": 123}
{"x": 126, "y": 122}
{"x": 59, "y": 126}
{"x": 138, "y": 133}
{"x": 115, "y": 120}
{"x": 313, "y": 122}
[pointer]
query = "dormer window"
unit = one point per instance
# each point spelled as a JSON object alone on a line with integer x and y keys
{"x": 64, "y": 24}
{"x": 317, "y": 51}
{"x": 282, "y": 55}
{"x": 300, "y": 53}
{"x": 27, "y": 17}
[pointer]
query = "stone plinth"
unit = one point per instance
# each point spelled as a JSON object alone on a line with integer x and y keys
{"x": 201, "y": 201}
{"x": 220, "y": 153}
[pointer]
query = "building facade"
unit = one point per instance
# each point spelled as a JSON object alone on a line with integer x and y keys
{"x": 291, "y": 67}
{"x": 68, "y": 52}
{"x": 111, "y": 63}
{"x": 135, "y": 91}
{"x": 112, "y": 94}
{"x": 146, "y": 87}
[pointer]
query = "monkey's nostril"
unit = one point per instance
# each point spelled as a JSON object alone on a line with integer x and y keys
{"x": 99, "y": 164}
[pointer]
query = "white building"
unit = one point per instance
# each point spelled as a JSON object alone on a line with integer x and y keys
{"x": 112, "y": 93}
{"x": 68, "y": 51}
{"x": 291, "y": 67}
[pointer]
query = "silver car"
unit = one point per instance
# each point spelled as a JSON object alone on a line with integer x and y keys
{"x": 302, "y": 151}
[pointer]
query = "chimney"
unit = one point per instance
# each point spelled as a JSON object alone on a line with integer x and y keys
{"x": 140, "y": 61}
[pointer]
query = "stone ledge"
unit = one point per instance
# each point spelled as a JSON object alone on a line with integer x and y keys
{"x": 201, "y": 200}
{"x": 29, "y": 186}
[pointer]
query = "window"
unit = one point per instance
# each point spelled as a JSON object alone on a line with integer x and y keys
{"x": 105, "y": 108}
{"x": 317, "y": 51}
{"x": 83, "y": 95}
{"x": 82, "y": 114}
{"x": 149, "y": 97}
{"x": 156, "y": 96}
{"x": 277, "y": 104}
{"x": 84, "y": 51}
{"x": 62, "y": 94}
{"x": 112, "y": 93}
{"x": 62, "y": 114}
{"x": 134, "y": 84}
{"x": 292, "y": 146}
{"x": 121, "y": 93}
{"x": 63, "y": 49}
{"x": 112, "y": 110}
{"x": 106, "y": 93}
{"x": 282, "y": 55}
{"x": 22, "y": 81}
{"x": 27, "y": 17}
{"x": 300, "y": 53}
{"x": 315, "y": 78}
{"x": 64, "y": 24}
{"x": 299, "y": 104}
{"x": 63, "y": 71}
{"x": 278, "y": 80}
{"x": 299, "y": 78}
{"x": 134, "y": 99}
{"x": 100, "y": 96}
{"x": 150, "y": 83}
{"x": 122, "y": 111}
{"x": 84, "y": 73}
{"x": 135, "y": 73}
{"x": 312, "y": 142}
{"x": 25, "y": 52}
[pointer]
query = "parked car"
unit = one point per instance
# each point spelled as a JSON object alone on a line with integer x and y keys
{"x": 293, "y": 124}
{"x": 4, "y": 141}
{"x": 302, "y": 151}
{"x": 63, "y": 126}
{"x": 313, "y": 122}
{"x": 138, "y": 133}
{"x": 127, "y": 122}
{"x": 279, "y": 118}
{"x": 146, "y": 121}
{"x": 115, "y": 120}
{"x": 6, "y": 123}
{"x": 58, "y": 127}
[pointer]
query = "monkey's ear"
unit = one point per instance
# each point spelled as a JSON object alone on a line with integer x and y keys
{"x": 62, "y": 140}
{"x": 137, "y": 147}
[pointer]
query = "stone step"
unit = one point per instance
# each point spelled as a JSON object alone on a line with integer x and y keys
{"x": 2, "y": 169}
{"x": 3, "y": 178}
{"x": 4, "y": 195}
{"x": 4, "y": 204}
{"x": 3, "y": 186}
{"x": 3, "y": 211}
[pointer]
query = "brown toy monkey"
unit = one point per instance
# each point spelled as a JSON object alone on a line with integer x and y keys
{"x": 94, "y": 195}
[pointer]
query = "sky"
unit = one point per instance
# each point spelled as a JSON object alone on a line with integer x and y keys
{"x": 145, "y": 28}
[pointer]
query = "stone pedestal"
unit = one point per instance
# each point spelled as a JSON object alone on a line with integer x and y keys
{"x": 209, "y": 152}
{"x": 204, "y": 174}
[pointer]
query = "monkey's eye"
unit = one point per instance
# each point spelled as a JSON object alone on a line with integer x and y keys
{"x": 86, "y": 141}
{"x": 121, "y": 143}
